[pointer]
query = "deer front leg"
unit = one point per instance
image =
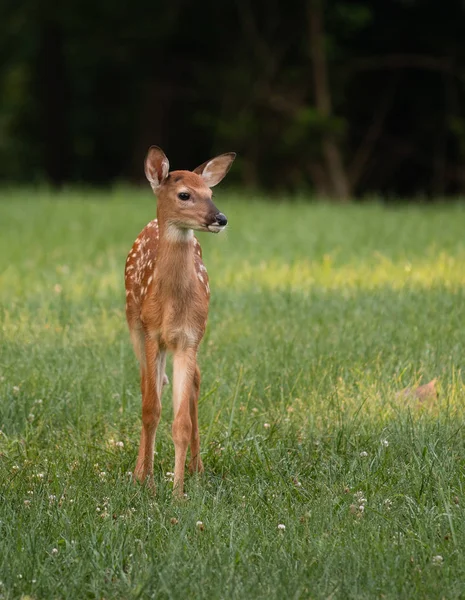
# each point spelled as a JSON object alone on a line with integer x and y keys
{"x": 195, "y": 464}
{"x": 152, "y": 379}
{"x": 184, "y": 363}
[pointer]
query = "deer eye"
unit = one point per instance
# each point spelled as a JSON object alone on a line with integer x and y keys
{"x": 184, "y": 196}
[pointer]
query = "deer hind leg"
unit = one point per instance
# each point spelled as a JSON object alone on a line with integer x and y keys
{"x": 152, "y": 381}
{"x": 195, "y": 464}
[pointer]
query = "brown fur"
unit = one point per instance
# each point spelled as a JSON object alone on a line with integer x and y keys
{"x": 167, "y": 298}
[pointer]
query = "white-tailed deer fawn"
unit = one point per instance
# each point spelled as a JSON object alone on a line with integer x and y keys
{"x": 167, "y": 296}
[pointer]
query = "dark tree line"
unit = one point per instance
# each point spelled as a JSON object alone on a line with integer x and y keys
{"x": 343, "y": 98}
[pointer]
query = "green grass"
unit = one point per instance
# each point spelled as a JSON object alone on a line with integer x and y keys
{"x": 319, "y": 316}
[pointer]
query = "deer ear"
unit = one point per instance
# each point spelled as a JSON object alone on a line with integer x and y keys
{"x": 157, "y": 166}
{"x": 212, "y": 171}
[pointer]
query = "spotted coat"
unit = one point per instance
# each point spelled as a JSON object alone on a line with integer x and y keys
{"x": 141, "y": 265}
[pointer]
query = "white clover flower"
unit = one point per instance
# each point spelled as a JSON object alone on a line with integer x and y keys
{"x": 437, "y": 560}
{"x": 266, "y": 425}
{"x": 52, "y": 498}
{"x": 385, "y": 443}
{"x": 359, "y": 497}
{"x": 54, "y": 550}
{"x": 363, "y": 454}
{"x": 16, "y": 389}
{"x": 120, "y": 444}
{"x": 281, "y": 527}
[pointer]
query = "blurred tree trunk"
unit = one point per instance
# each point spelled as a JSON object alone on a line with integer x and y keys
{"x": 331, "y": 152}
{"x": 53, "y": 101}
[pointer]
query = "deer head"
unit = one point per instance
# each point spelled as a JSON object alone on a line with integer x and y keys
{"x": 184, "y": 197}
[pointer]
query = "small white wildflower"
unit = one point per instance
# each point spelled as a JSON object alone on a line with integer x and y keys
{"x": 98, "y": 509}
{"x": 40, "y": 475}
{"x": 199, "y": 524}
{"x": 38, "y": 401}
{"x": 359, "y": 497}
{"x": 102, "y": 474}
{"x": 255, "y": 410}
{"x": 31, "y": 416}
{"x": 387, "y": 504}
{"x": 71, "y": 501}
{"x": 20, "y": 576}
{"x": 30, "y": 492}
{"x": 16, "y": 389}
{"x": 437, "y": 560}
{"x": 54, "y": 550}
{"x": 52, "y": 498}
{"x": 361, "y": 508}
{"x": 120, "y": 444}
{"x": 15, "y": 468}
{"x": 266, "y": 425}
{"x": 34, "y": 581}
{"x": 129, "y": 474}
{"x": 363, "y": 454}
{"x": 281, "y": 527}
{"x": 27, "y": 502}
{"x": 385, "y": 443}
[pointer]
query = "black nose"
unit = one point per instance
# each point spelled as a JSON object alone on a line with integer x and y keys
{"x": 221, "y": 219}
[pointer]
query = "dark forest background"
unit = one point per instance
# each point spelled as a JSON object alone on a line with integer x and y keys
{"x": 341, "y": 98}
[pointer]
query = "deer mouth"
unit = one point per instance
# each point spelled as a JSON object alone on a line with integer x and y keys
{"x": 215, "y": 227}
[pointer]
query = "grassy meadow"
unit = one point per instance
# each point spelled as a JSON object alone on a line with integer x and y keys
{"x": 321, "y": 480}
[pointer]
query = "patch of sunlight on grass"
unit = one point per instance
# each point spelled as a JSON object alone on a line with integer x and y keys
{"x": 448, "y": 271}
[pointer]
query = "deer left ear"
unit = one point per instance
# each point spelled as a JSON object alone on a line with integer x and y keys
{"x": 214, "y": 170}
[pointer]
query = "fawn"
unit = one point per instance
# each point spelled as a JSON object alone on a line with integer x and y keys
{"x": 167, "y": 297}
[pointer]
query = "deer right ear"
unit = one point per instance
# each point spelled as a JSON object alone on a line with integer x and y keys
{"x": 157, "y": 166}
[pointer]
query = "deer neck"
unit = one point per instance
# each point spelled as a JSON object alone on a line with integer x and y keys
{"x": 175, "y": 265}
